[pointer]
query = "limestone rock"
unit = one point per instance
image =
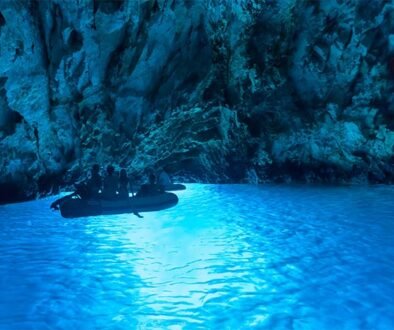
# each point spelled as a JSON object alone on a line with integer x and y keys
{"x": 219, "y": 90}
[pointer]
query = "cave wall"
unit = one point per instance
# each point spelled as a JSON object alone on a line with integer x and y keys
{"x": 218, "y": 90}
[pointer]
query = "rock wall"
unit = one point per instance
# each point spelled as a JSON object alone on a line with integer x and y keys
{"x": 218, "y": 90}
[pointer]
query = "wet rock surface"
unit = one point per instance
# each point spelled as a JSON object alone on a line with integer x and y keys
{"x": 219, "y": 91}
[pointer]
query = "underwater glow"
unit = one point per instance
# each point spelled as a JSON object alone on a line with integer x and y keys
{"x": 226, "y": 257}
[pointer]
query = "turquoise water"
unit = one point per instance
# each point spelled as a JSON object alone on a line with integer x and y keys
{"x": 226, "y": 257}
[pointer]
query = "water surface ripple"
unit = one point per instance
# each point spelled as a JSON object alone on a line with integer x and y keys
{"x": 226, "y": 257}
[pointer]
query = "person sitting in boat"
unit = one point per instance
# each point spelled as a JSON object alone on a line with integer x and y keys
{"x": 86, "y": 189}
{"x": 110, "y": 185}
{"x": 95, "y": 181}
{"x": 164, "y": 178}
{"x": 123, "y": 184}
{"x": 151, "y": 188}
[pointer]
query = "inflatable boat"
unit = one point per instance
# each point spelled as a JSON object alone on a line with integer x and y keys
{"x": 77, "y": 207}
{"x": 174, "y": 187}
{"x": 168, "y": 187}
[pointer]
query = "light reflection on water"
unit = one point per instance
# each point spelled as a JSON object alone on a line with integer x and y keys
{"x": 226, "y": 257}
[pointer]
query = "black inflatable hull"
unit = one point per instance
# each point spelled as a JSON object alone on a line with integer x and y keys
{"x": 174, "y": 187}
{"x": 169, "y": 187}
{"x": 76, "y": 208}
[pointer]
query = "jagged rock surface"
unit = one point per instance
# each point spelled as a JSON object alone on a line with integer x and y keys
{"x": 219, "y": 90}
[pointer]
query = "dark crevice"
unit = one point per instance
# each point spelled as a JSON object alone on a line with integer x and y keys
{"x": 55, "y": 41}
{"x": 37, "y": 138}
{"x": 19, "y": 50}
{"x": 115, "y": 62}
{"x": 116, "y": 66}
{"x": 155, "y": 7}
{"x": 96, "y": 5}
{"x": 108, "y": 6}
{"x": 11, "y": 192}
{"x": 254, "y": 126}
{"x": 2, "y": 20}
{"x": 34, "y": 9}
{"x": 3, "y": 80}
{"x": 75, "y": 41}
{"x": 8, "y": 118}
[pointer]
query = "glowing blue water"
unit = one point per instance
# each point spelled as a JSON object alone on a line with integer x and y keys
{"x": 227, "y": 257}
